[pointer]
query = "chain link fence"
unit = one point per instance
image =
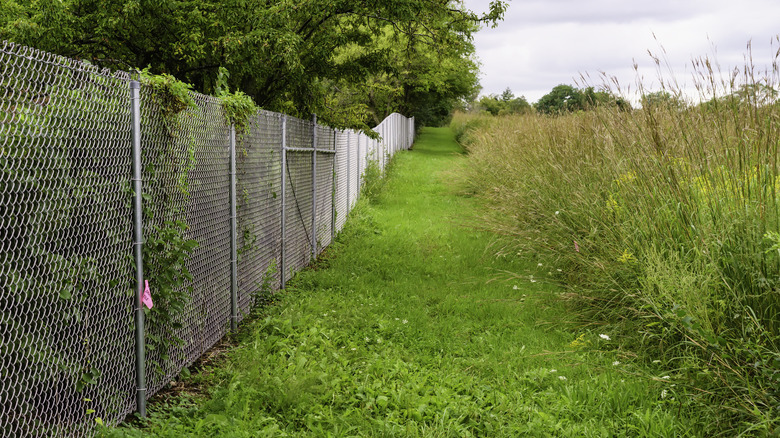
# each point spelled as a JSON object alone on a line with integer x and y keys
{"x": 68, "y": 293}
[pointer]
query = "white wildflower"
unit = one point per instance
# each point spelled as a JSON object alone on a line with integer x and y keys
{"x": 604, "y": 337}
{"x": 562, "y": 377}
{"x": 663, "y": 393}
{"x": 404, "y": 321}
{"x": 616, "y": 363}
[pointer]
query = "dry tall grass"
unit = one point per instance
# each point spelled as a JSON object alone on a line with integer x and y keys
{"x": 663, "y": 218}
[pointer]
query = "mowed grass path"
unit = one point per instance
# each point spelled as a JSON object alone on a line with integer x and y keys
{"x": 409, "y": 326}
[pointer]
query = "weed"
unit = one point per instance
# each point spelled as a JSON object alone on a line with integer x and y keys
{"x": 373, "y": 180}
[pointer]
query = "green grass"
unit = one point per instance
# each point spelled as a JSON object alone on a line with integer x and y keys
{"x": 410, "y": 326}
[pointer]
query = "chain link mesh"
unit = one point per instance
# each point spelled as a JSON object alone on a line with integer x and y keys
{"x": 259, "y": 162}
{"x": 342, "y": 176}
{"x": 67, "y": 356}
{"x": 65, "y": 223}
{"x": 298, "y": 205}
{"x": 324, "y": 182}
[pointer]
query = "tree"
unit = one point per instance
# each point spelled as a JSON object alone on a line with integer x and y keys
{"x": 562, "y": 99}
{"x": 280, "y": 52}
{"x": 662, "y": 99}
{"x": 507, "y": 103}
{"x": 419, "y": 80}
{"x": 507, "y": 95}
{"x": 565, "y": 98}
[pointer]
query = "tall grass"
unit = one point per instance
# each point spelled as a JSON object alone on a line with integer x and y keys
{"x": 663, "y": 219}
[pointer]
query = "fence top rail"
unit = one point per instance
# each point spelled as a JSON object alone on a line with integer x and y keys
{"x": 324, "y": 151}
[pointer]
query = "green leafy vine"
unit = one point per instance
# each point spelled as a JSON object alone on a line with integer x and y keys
{"x": 237, "y": 106}
{"x": 167, "y": 248}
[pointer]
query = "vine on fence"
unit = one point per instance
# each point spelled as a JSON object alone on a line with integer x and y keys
{"x": 165, "y": 254}
{"x": 167, "y": 248}
{"x": 237, "y": 107}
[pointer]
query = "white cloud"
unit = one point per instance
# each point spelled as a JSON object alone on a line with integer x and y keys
{"x": 541, "y": 44}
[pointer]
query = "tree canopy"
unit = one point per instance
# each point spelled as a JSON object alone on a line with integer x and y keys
{"x": 506, "y": 103}
{"x": 565, "y": 98}
{"x": 288, "y": 55}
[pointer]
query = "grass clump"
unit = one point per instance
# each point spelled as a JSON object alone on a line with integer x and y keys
{"x": 663, "y": 219}
{"x": 372, "y": 181}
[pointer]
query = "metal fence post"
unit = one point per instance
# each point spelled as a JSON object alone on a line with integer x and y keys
{"x": 349, "y": 180}
{"x": 357, "y": 193}
{"x": 233, "y": 233}
{"x": 140, "y": 341}
{"x": 282, "y": 256}
{"x": 384, "y": 146}
{"x": 314, "y": 190}
{"x": 333, "y": 192}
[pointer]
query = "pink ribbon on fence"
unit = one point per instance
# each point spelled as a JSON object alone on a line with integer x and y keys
{"x": 146, "y": 298}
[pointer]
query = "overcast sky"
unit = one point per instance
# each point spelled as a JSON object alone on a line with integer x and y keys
{"x": 543, "y": 43}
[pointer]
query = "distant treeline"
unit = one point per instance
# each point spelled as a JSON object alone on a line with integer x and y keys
{"x": 562, "y": 99}
{"x": 567, "y": 99}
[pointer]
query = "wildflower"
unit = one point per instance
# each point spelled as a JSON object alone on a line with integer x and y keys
{"x": 665, "y": 377}
{"x": 368, "y": 339}
{"x": 514, "y": 287}
{"x": 557, "y": 212}
{"x": 562, "y": 377}
{"x": 559, "y": 270}
{"x": 396, "y": 319}
{"x": 378, "y": 340}
{"x": 604, "y": 337}
{"x": 553, "y": 370}
{"x": 616, "y": 363}
{"x": 404, "y": 321}
{"x": 626, "y": 178}
{"x": 353, "y": 349}
{"x": 539, "y": 264}
{"x": 626, "y": 257}
{"x": 612, "y": 205}
{"x": 579, "y": 342}
{"x": 663, "y": 393}
{"x": 576, "y": 246}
